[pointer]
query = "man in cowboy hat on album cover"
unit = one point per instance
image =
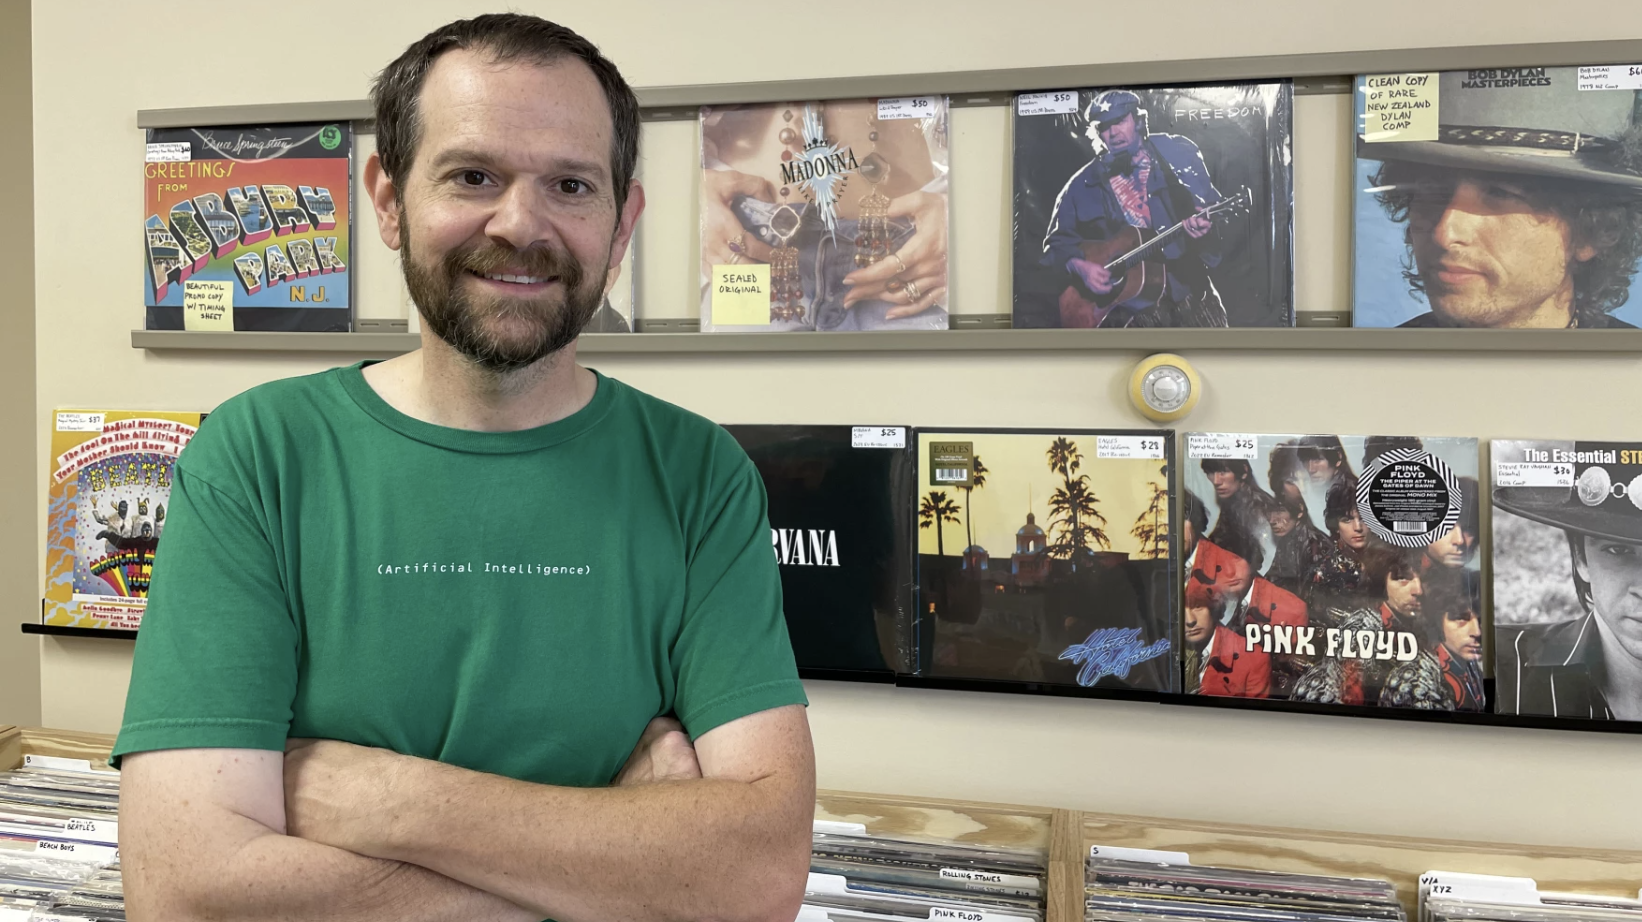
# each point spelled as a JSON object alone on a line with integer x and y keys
{"x": 1579, "y": 656}
{"x": 1524, "y": 211}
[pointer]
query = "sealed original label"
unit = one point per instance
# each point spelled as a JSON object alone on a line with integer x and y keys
{"x": 906, "y": 107}
{"x": 79, "y": 422}
{"x": 62, "y": 765}
{"x": 170, "y": 152}
{"x": 1060, "y": 102}
{"x": 76, "y": 851}
{"x": 1408, "y": 498}
{"x": 1147, "y": 855}
{"x": 951, "y": 464}
{"x": 1611, "y": 77}
{"x": 1521, "y": 474}
{"x": 987, "y": 877}
{"x": 878, "y": 437}
{"x": 1229, "y": 446}
{"x": 1129, "y": 446}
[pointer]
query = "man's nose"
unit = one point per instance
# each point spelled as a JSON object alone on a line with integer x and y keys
{"x": 521, "y": 217}
{"x": 1457, "y": 223}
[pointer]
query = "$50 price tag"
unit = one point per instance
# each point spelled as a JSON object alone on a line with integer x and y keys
{"x": 1060, "y": 102}
{"x": 906, "y": 107}
{"x": 1129, "y": 446}
{"x": 1223, "y": 445}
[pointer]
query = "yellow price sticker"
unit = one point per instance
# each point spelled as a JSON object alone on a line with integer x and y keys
{"x": 207, "y": 305}
{"x": 741, "y": 295}
{"x": 1400, "y": 107}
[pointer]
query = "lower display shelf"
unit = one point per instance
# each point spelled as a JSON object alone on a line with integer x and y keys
{"x": 57, "y": 630}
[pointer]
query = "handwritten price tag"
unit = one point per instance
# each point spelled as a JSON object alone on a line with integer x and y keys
{"x": 1129, "y": 446}
{"x": 878, "y": 437}
{"x": 1223, "y": 445}
{"x": 1060, "y": 102}
{"x": 1518, "y": 474}
{"x": 906, "y": 107}
{"x": 1611, "y": 77}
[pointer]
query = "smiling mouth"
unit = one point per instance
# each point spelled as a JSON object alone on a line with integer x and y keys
{"x": 513, "y": 279}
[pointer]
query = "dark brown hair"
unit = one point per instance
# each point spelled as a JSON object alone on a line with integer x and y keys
{"x": 507, "y": 38}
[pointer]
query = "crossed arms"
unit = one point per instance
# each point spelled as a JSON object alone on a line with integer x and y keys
{"x": 718, "y": 832}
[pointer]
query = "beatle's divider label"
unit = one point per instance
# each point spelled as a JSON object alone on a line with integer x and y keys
{"x": 1611, "y": 77}
{"x": 878, "y": 437}
{"x": 1147, "y": 855}
{"x": 1120, "y": 447}
{"x": 987, "y": 877}
{"x": 1226, "y": 446}
{"x": 1060, "y": 102}
{"x": 906, "y": 107}
{"x": 76, "y": 851}
{"x": 1523, "y": 474}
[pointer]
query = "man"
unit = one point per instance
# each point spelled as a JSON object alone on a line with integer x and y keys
{"x": 1337, "y": 581}
{"x": 1231, "y": 575}
{"x": 1395, "y": 575}
{"x": 1194, "y": 523}
{"x": 1588, "y": 667}
{"x": 1300, "y": 545}
{"x": 1447, "y": 675}
{"x": 1244, "y": 507}
{"x": 1216, "y": 660}
{"x": 472, "y": 689}
{"x": 1136, "y": 180}
{"x": 1527, "y": 214}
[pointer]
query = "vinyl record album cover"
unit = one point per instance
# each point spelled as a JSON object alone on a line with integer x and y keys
{"x": 840, "y": 528}
{"x": 824, "y": 215}
{"x": 1044, "y": 556}
{"x": 261, "y": 215}
{"x": 1332, "y": 569}
{"x": 617, "y": 314}
{"x": 1155, "y": 207}
{"x": 1567, "y": 555}
{"x": 109, "y": 484}
{"x": 1498, "y": 198}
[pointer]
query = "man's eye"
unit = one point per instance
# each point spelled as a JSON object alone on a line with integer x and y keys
{"x": 472, "y": 177}
{"x": 1620, "y": 550}
{"x": 572, "y": 186}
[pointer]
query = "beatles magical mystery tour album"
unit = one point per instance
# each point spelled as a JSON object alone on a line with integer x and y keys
{"x": 842, "y": 538}
{"x": 1567, "y": 562}
{"x": 1493, "y": 198}
{"x": 1332, "y": 569}
{"x": 1154, "y": 207}
{"x": 824, "y": 215}
{"x": 109, "y": 486}
{"x": 254, "y": 222}
{"x": 1044, "y": 556}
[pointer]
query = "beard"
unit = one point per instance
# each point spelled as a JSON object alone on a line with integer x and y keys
{"x": 502, "y": 334}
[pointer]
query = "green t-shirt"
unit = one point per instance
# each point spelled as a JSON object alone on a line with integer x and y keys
{"x": 520, "y": 603}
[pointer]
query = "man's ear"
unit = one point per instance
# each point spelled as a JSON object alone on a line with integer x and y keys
{"x": 384, "y": 199}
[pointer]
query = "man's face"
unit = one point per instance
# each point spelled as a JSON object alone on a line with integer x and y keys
{"x": 507, "y": 215}
{"x": 1453, "y": 549}
{"x": 1282, "y": 522}
{"x": 122, "y": 508}
{"x": 1225, "y": 483}
{"x": 1121, "y": 136}
{"x": 1353, "y": 534}
{"x": 1614, "y": 570}
{"x": 1199, "y": 625}
{"x": 1462, "y": 635}
{"x": 1321, "y": 469}
{"x": 1234, "y": 580}
{"x": 1403, "y": 594}
{"x": 1489, "y": 252}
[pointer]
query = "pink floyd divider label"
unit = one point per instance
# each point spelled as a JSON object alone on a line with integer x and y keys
{"x": 1408, "y": 498}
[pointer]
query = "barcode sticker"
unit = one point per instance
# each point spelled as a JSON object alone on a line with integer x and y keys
{"x": 1148, "y": 855}
{"x": 1522, "y": 474}
{"x": 878, "y": 437}
{"x": 1611, "y": 77}
{"x": 76, "y": 851}
{"x": 1409, "y": 528}
{"x": 62, "y": 765}
{"x": 951, "y": 474}
{"x": 1060, "y": 102}
{"x": 1129, "y": 446}
{"x": 170, "y": 152}
{"x": 1226, "y": 446}
{"x": 906, "y": 107}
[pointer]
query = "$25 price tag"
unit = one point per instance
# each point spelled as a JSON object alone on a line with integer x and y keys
{"x": 1223, "y": 445}
{"x": 878, "y": 437}
{"x": 1060, "y": 102}
{"x": 1129, "y": 446}
{"x": 906, "y": 107}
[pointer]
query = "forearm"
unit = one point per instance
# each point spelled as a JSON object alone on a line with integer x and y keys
{"x": 694, "y": 851}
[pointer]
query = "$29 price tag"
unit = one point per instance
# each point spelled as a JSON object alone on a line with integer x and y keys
{"x": 906, "y": 107}
{"x": 1223, "y": 445}
{"x": 1129, "y": 446}
{"x": 1060, "y": 102}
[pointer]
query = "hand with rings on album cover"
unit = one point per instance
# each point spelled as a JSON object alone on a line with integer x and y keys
{"x": 913, "y": 278}
{"x": 723, "y": 240}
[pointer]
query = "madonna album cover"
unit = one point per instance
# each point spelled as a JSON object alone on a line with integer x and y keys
{"x": 1154, "y": 207}
{"x": 1332, "y": 569}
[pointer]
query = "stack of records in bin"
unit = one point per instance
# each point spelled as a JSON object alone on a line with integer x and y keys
{"x": 1121, "y": 890}
{"x": 858, "y": 876}
{"x": 58, "y": 844}
{"x": 1446, "y": 895}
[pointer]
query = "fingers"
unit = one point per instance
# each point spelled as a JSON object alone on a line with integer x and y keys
{"x": 726, "y": 184}
{"x": 721, "y": 230}
{"x": 881, "y": 291}
{"x": 938, "y": 296}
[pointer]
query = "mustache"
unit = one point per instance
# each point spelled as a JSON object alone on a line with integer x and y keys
{"x": 538, "y": 261}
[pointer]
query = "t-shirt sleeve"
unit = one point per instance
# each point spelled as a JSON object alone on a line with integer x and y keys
{"x": 732, "y": 657}
{"x": 216, "y": 657}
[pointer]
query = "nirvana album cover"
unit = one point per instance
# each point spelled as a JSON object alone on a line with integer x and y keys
{"x": 254, "y": 222}
{"x": 1154, "y": 207}
{"x": 1504, "y": 198}
{"x": 109, "y": 485}
{"x": 1045, "y": 556}
{"x": 1567, "y": 567}
{"x": 825, "y": 215}
{"x": 1332, "y": 569}
{"x": 842, "y": 538}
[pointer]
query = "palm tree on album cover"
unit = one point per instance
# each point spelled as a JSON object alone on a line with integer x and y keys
{"x": 1071, "y": 505}
{"x": 935, "y": 511}
{"x": 1152, "y": 527}
{"x": 977, "y": 479}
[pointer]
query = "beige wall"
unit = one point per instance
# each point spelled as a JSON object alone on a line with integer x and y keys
{"x": 19, "y": 597}
{"x": 1569, "y": 788}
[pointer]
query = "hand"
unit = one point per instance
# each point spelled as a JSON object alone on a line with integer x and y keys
{"x": 664, "y": 753}
{"x": 1198, "y": 224}
{"x": 924, "y": 255}
{"x": 719, "y": 224}
{"x": 1093, "y": 275}
{"x": 337, "y": 794}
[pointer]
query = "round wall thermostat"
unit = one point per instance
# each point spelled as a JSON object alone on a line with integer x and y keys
{"x": 1164, "y": 387}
